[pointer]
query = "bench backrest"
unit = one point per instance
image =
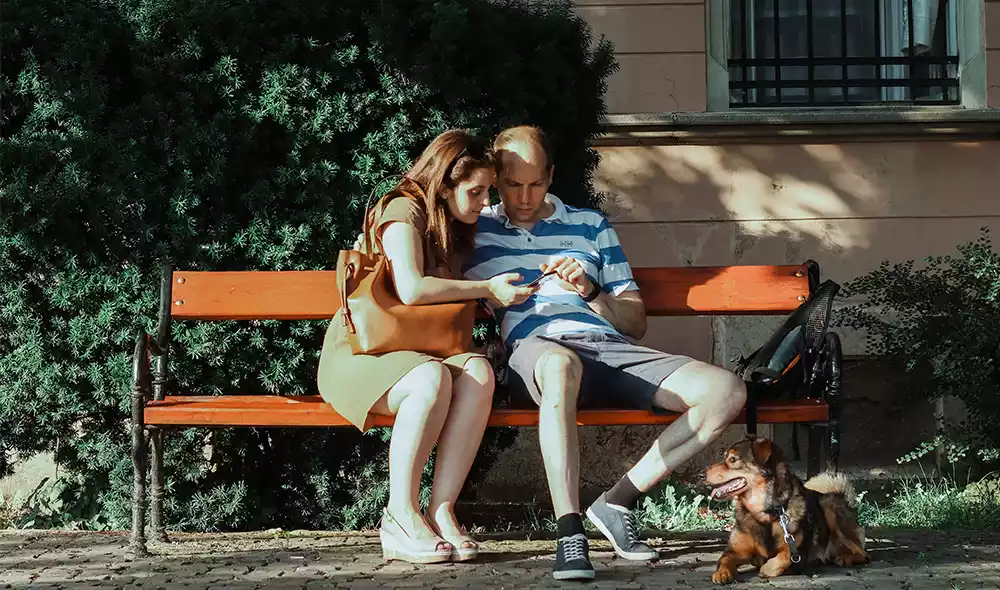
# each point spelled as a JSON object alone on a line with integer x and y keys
{"x": 305, "y": 295}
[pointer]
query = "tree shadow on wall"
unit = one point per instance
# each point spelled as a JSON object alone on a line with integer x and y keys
{"x": 847, "y": 206}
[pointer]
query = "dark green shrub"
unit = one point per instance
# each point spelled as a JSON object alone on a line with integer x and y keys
{"x": 942, "y": 320}
{"x": 223, "y": 134}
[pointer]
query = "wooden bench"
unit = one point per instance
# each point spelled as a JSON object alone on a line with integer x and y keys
{"x": 311, "y": 295}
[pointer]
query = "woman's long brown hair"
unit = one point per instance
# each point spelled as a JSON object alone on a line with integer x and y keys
{"x": 448, "y": 160}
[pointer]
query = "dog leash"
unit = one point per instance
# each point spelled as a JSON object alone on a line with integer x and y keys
{"x": 783, "y": 521}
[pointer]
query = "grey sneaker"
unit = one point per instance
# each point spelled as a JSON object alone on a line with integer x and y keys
{"x": 618, "y": 525}
{"x": 573, "y": 559}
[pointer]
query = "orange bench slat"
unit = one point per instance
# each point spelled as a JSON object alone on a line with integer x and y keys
{"x": 302, "y": 295}
{"x": 312, "y": 411}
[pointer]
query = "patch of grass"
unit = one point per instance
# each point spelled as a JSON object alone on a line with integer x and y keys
{"x": 678, "y": 509}
{"x": 918, "y": 503}
{"x": 539, "y": 521}
{"x": 936, "y": 504}
{"x": 10, "y": 513}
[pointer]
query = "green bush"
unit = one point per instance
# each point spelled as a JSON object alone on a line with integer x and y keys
{"x": 942, "y": 320}
{"x": 232, "y": 135}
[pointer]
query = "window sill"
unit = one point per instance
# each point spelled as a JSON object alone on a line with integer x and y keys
{"x": 800, "y": 125}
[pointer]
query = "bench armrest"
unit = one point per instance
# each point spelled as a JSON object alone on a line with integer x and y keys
{"x": 146, "y": 347}
{"x": 141, "y": 378}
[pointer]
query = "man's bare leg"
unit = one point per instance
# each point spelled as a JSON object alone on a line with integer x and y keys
{"x": 558, "y": 373}
{"x": 709, "y": 398}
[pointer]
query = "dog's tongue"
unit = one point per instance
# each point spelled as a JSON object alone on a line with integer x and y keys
{"x": 728, "y": 488}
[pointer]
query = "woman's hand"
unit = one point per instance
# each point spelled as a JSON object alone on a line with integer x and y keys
{"x": 504, "y": 293}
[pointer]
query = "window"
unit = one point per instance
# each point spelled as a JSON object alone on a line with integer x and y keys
{"x": 784, "y": 53}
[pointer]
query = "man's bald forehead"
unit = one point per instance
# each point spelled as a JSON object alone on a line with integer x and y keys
{"x": 528, "y": 142}
{"x": 522, "y": 151}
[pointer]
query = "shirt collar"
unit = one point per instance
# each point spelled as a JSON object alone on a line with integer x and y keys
{"x": 561, "y": 214}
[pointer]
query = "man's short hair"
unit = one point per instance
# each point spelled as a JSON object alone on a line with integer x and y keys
{"x": 528, "y": 134}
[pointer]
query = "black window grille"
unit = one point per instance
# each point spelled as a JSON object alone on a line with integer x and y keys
{"x": 842, "y": 52}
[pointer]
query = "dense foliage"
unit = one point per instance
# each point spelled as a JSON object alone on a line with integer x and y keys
{"x": 230, "y": 135}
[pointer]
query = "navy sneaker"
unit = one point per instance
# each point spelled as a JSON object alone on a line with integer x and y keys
{"x": 618, "y": 525}
{"x": 573, "y": 559}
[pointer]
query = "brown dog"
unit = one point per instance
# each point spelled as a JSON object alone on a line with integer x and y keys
{"x": 772, "y": 505}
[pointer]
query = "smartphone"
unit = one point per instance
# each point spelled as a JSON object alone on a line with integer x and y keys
{"x": 539, "y": 279}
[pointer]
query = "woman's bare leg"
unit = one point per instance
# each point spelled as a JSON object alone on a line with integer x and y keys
{"x": 471, "y": 403}
{"x": 420, "y": 402}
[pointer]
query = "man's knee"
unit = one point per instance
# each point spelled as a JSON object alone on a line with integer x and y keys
{"x": 717, "y": 392}
{"x": 737, "y": 389}
{"x": 727, "y": 394}
{"x": 557, "y": 373}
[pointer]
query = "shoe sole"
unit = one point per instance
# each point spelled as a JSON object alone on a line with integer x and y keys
{"x": 463, "y": 555}
{"x": 618, "y": 550}
{"x": 391, "y": 550}
{"x": 574, "y": 575}
{"x": 391, "y": 554}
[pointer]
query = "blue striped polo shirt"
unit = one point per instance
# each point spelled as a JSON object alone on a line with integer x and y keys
{"x": 583, "y": 234}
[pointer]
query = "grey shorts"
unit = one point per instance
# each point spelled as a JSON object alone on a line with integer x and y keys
{"x": 616, "y": 373}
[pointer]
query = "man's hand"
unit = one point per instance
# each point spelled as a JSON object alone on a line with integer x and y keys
{"x": 626, "y": 311}
{"x": 572, "y": 274}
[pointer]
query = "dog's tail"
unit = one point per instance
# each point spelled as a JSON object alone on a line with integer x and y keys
{"x": 834, "y": 483}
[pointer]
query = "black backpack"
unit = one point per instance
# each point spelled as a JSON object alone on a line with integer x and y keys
{"x": 786, "y": 366}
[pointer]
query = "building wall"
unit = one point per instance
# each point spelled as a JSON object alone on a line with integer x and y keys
{"x": 847, "y": 204}
{"x": 660, "y": 47}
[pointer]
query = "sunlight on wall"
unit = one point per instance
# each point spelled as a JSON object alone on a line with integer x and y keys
{"x": 771, "y": 190}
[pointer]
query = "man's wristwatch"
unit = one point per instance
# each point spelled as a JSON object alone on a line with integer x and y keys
{"x": 593, "y": 293}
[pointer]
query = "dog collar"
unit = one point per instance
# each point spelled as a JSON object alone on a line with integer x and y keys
{"x": 783, "y": 521}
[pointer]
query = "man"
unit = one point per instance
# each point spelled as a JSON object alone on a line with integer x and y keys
{"x": 569, "y": 347}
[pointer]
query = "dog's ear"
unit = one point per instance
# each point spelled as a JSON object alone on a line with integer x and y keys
{"x": 762, "y": 450}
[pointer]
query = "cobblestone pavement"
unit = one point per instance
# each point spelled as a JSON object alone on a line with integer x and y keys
{"x": 902, "y": 560}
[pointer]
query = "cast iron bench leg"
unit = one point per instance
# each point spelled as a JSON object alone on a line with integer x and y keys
{"x": 140, "y": 373}
{"x": 834, "y": 356}
{"x": 156, "y": 484}
{"x": 817, "y": 448}
{"x": 159, "y": 386}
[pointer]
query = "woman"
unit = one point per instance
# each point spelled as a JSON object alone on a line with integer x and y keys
{"x": 425, "y": 226}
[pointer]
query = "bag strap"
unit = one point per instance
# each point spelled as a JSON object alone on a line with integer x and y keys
{"x": 365, "y": 226}
{"x": 368, "y": 229}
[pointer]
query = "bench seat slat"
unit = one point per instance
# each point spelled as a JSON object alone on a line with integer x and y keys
{"x": 312, "y": 411}
{"x": 304, "y": 295}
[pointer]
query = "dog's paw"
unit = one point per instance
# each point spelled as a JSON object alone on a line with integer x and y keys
{"x": 852, "y": 559}
{"x": 772, "y": 569}
{"x": 723, "y": 576}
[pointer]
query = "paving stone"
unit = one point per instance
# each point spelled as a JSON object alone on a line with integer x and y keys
{"x": 903, "y": 560}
